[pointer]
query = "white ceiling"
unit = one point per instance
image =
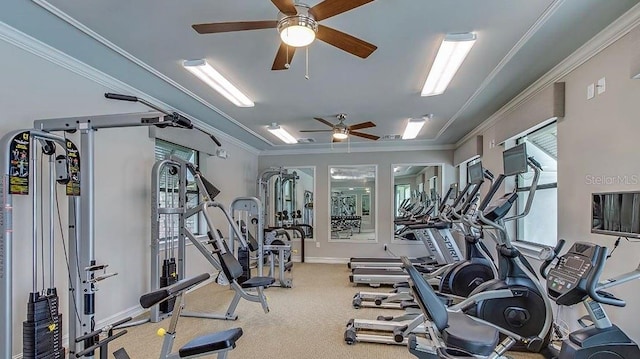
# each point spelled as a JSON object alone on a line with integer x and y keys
{"x": 383, "y": 88}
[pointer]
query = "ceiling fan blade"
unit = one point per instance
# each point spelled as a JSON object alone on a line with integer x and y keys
{"x": 329, "y": 8}
{"x": 281, "y": 60}
{"x": 285, "y": 6}
{"x": 234, "y": 26}
{"x": 315, "y": 131}
{"x": 324, "y": 121}
{"x": 359, "y": 126}
{"x": 364, "y": 135}
{"x": 345, "y": 42}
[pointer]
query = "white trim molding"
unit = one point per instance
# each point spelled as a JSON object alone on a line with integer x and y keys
{"x": 298, "y": 150}
{"x": 34, "y": 46}
{"x": 537, "y": 25}
{"x": 612, "y": 33}
{"x": 80, "y": 26}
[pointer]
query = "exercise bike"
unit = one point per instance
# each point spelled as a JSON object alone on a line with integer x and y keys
{"x": 575, "y": 279}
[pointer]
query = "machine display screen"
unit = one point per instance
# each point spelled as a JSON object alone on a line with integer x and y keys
{"x": 476, "y": 173}
{"x": 515, "y": 160}
{"x": 574, "y": 263}
{"x": 616, "y": 213}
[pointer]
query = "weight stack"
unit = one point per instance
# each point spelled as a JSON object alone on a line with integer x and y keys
{"x": 169, "y": 270}
{"x": 42, "y": 332}
{"x": 52, "y": 297}
{"x": 244, "y": 259}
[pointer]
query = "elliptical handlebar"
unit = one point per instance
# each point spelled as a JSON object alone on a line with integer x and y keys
{"x": 492, "y": 192}
{"x": 532, "y": 189}
{"x": 553, "y": 255}
{"x": 593, "y": 283}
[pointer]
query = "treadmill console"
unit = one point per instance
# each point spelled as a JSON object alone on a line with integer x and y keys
{"x": 567, "y": 281}
{"x": 499, "y": 208}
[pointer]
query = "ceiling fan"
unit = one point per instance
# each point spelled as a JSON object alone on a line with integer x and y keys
{"x": 298, "y": 26}
{"x": 342, "y": 131}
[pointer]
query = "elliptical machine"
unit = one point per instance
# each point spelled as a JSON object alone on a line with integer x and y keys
{"x": 478, "y": 267}
{"x": 526, "y": 312}
{"x": 575, "y": 279}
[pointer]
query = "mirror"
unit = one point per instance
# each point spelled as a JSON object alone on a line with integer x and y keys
{"x": 416, "y": 187}
{"x": 352, "y": 203}
{"x": 292, "y": 197}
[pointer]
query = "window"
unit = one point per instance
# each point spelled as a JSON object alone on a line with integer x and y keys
{"x": 169, "y": 187}
{"x": 540, "y": 226}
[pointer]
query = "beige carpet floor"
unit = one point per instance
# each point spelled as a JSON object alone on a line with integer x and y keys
{"x": 306, "y": 321}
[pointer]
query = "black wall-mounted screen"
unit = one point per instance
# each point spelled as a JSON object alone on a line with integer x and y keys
{"x": 476, "y": 174}
{"x": 514, "y": 160}
{"x": 616, "y": 214}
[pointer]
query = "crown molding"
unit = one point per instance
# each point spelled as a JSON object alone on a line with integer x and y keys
{"x": 537, "y": 25}
{"x": 80, "y": 26}
{"x": 341, "y": 149}
{"x": 36, "y": 47}
{"x": 612, "y": 33}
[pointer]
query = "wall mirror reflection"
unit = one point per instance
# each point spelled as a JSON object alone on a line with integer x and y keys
{"x": 417, "y": 191}
{"x": 352, "y": 203}
{"x": 291, "y": 198}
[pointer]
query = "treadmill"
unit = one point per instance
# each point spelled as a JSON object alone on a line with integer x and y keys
{"x": 449, "y": 251}
{"x": 394, "y": 262}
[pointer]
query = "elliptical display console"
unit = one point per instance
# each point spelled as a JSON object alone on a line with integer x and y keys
{"x": 575, "y": 279}
{"x": 567, "y": 282}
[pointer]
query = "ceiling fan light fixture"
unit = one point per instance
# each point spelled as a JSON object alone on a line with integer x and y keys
{"x": 282, "y": 134}
{"x": 205, "y": 72}
{"x": 413, "y": 128}
{"x": 453, "y": 50}
{"x": 340, "y": 134}
{"x": 297, "y": 30}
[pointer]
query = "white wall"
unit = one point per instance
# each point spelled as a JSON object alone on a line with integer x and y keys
{"x": 597, "y": 137}
{"x": 384, "y": 209}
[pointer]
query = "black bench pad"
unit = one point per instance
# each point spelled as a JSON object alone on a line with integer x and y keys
{"x": 255, "y": 282}
{"x": 467, "y": 334}
{"x": 211, "y": 343}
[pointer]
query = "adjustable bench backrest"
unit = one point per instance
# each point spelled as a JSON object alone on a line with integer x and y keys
{"x": 231, "y": 268}
{"x": 426, "y": 297}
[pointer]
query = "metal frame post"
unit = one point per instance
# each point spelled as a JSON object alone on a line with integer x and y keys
{"x": 6, "y": 238}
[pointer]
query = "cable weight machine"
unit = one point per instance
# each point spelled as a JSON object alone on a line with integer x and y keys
{"x": 82, "y": 207}
{"x": 19, "y": 150}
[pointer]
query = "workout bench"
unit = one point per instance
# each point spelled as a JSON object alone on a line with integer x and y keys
{"x": 216, "y": 343}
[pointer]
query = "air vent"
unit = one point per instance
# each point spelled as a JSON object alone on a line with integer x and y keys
{"x": 306, "y": 140}
{"x": 391, "y": 137}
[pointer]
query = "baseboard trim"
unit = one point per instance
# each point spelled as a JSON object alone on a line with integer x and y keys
{"x": 326, "y": 260}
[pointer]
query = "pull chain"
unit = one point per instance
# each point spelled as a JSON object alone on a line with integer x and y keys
{"x": 306, "y": 76}
{"x": 286, "y": 65}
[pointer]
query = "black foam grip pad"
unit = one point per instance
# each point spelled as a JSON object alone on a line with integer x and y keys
{"x": 155, "y": 297}
{"x": 115, "y": 96}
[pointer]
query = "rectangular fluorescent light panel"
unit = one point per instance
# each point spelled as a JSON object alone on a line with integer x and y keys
{"x": 451, "y": 55}
{"x": 413, "y": 128}
{"x": 282, "y": 134}
{"x": 205, "y": 72}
